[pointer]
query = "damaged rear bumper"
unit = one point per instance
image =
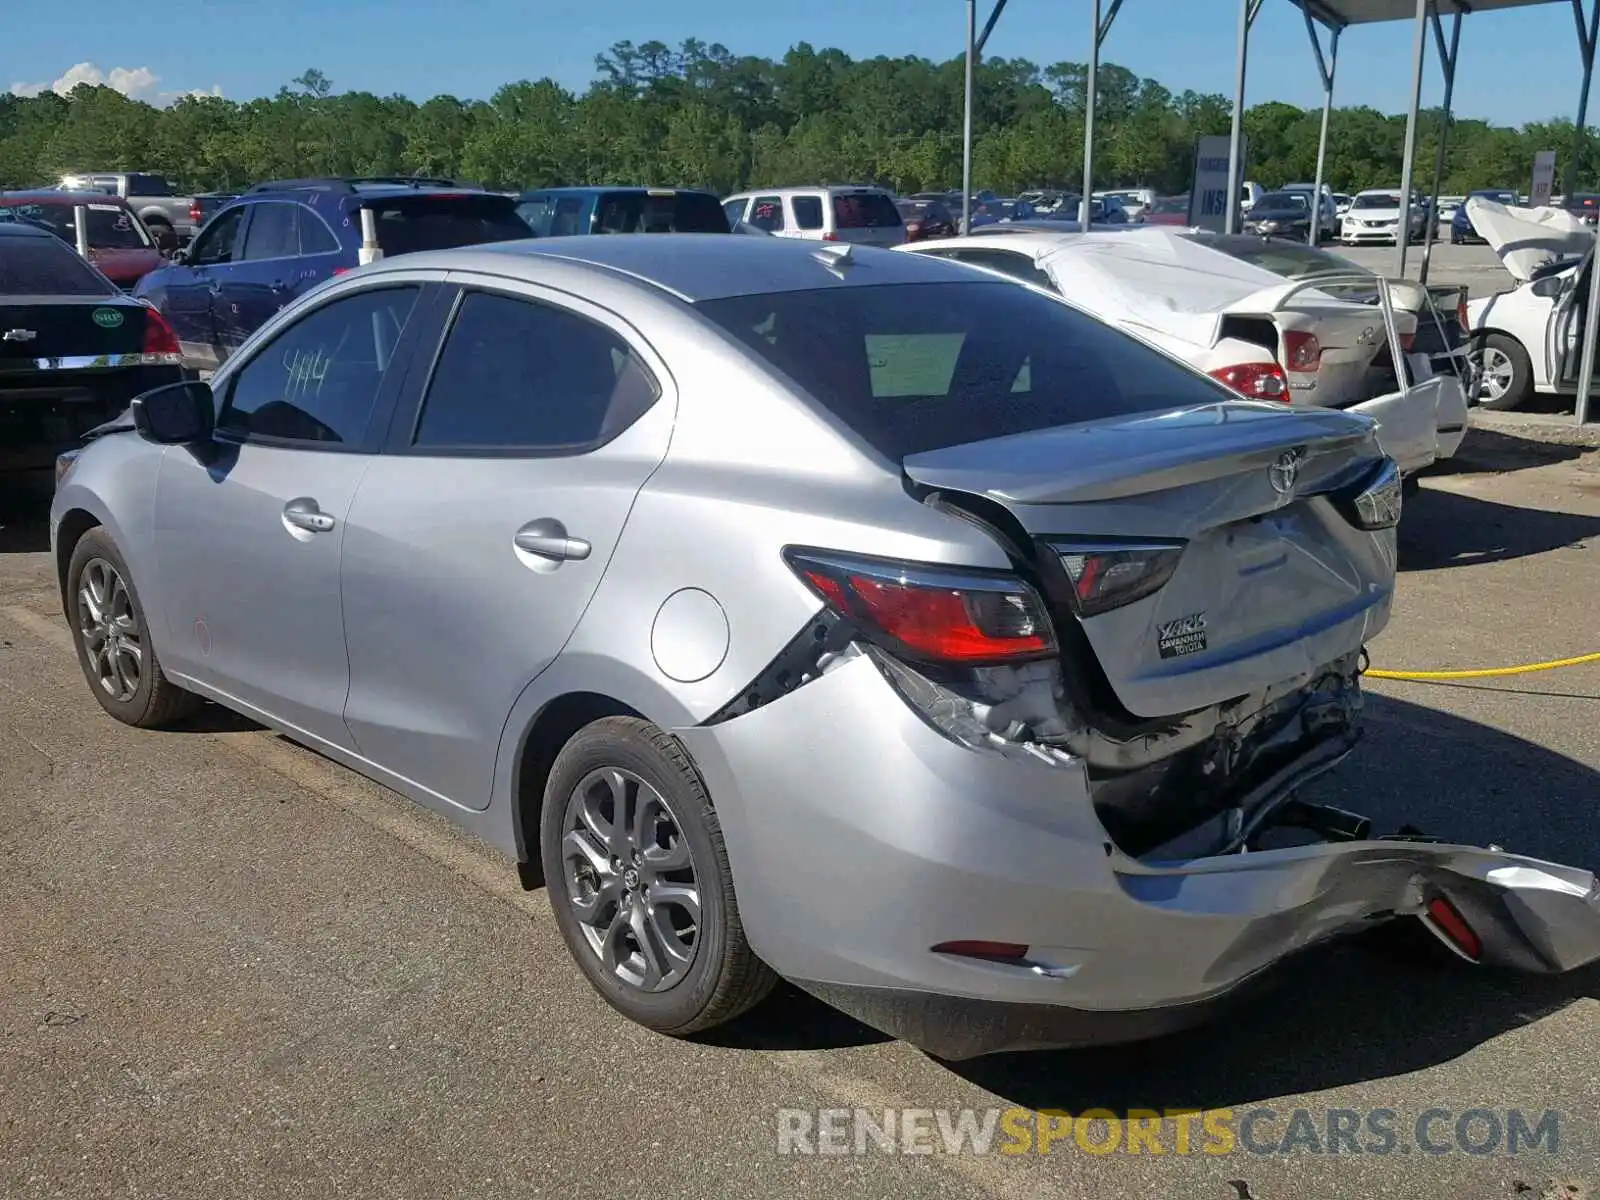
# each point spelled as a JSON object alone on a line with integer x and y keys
{"x": 860, "y": 838}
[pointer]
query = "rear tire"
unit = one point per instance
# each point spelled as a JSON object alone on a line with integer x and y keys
{"x": 628, "y": 835}
{"x": 112, "y": 636}
{"x": 1504, "y": 372}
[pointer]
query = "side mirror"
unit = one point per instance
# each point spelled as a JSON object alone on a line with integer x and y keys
{"x": 178, "y": 256}
{"x": 166, "y": 241}
{"x": 180, "y": 414}
{"x": 1549, "y": 287}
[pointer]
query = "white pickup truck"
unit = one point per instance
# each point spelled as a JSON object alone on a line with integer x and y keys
{"x": 172, "y": 219}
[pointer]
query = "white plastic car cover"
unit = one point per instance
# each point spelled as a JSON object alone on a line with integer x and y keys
{"x": 1526, "y": 238}
{"x": 1166, "y": 281}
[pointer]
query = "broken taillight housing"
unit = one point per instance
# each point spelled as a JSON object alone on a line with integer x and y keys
{"x": 1255, "y": 381}
{"x": 933, "y": 613}
{"x": 1107, "y": 575}
{"x": 1446, "y": 920}
{"x": 1301, "y": 351}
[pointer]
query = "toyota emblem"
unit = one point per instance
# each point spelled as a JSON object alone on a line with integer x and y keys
{"x": 1282, "y": 473}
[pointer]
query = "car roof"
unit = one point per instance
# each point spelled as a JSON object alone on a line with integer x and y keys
{"x": 812, "y": 189}
{"x": 704, "y": 266}
{"x": 58, "y": 196}
{"x": 16, "y": 229}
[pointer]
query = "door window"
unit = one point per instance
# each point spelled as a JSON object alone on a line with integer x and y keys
{"x": 317, "y": 381}
{"x": 315, "y": 236}
{"x": 519, "y": 375}
{"x": 807, "y": 212}
{"x": 566, "y": 219}
{"x": 215, "y": 244}
{"x": 766, "y": 212}
{"x": 272, "y": 232}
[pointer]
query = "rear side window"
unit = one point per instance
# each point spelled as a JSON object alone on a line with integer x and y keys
{"x": 427, "y": 222}
{"x": 734, "y": 211}
{"x": 914, "y": 367}
{"x": 519, "y": 375}
{"x": 567, "y": 218}
{"x": 864, "y": 210}
{"x": 535, "y": 213}
{"x": 766, "y": 212}
{"x": 668, "y": 212}
{"x": 807, "y": 211}
{"x": 315, "y": 236}
{"x": 272, "y": 232}
{"x": 43, "y": 266}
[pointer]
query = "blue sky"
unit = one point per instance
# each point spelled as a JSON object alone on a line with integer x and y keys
{"x": 1514, "y": 66}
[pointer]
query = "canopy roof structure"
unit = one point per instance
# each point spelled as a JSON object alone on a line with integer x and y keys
{"x": 1328, "y": 19}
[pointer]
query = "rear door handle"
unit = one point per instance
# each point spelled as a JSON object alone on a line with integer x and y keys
{"x": 554, "y": 546}
{"x": 304, "y": 514}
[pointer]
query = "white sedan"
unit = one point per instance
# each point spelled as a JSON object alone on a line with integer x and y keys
{"x": 1266, "y": 337}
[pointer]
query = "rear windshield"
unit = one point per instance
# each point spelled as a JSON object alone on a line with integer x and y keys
{"x": 36, "y": 266}
{"x": 673, "y": 212}
{"x": 1289, "y": 259}
{"x": 111, "y": 227}
{"x": 410, "y": 223}
{"x": 1284, "y": 200}
{"x": 1171, "y": 204}
{"x": 864, "y": 210}
{"x": 914, "y": 367}
{"x": 1498, "y": 197}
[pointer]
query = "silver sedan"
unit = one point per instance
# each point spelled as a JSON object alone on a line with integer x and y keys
{"x": 802, "y": 610}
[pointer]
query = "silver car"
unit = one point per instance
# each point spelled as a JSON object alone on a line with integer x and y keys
{"x": 803, "y": 611}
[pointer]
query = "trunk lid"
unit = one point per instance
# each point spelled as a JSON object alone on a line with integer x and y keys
{"x": 56, "y": 327}
{"x": 1272, "y": 581}
{"x": 1526, "y": 238}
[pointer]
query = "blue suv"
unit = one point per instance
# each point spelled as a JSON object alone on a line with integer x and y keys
{"x": 1461, "y": 227}
{"x": 280, "y": 239}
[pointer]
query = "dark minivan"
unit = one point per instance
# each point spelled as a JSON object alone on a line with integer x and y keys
{"x": 564, "y": 211}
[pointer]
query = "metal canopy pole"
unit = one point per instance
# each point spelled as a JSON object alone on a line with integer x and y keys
{"x": 1247, "y": 15}
{"x": 966, "y": 122}
{"x": 1402, "y": 233}
{"x": 1591, "y": 326}
{"x": 1328, "y": 68}
{"x": 1447, "y": 64}
{"x": 1091, "y": 87}
{"x": 1586, "y": 35}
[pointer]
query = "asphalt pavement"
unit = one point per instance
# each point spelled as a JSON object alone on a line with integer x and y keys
{"x": 232, "y": 969}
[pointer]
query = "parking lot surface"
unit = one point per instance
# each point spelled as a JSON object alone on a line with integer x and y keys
{"x": 1476, "y": 266}
{"x": 232, "y": 969}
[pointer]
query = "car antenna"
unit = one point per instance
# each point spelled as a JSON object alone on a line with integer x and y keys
{"x": 836, "y": 256}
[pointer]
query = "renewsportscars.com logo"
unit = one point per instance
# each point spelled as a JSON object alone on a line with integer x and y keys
{"x": 1216, "y": 1131}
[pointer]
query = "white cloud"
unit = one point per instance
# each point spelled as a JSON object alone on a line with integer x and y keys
{"x": 136, "y": 83}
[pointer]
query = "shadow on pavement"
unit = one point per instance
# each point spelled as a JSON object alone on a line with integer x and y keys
{"x": 1485, "y": 450}
{"x": 1447, "y": 529}
{"x": 24, "y": 514}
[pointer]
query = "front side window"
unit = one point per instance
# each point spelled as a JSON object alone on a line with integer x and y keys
{"x": 215, "y": 245}
{"x": 519, "y": 375}
{"x": 535, "y": 213}
{"x": 317, "y": 381}
{"x": 567, "y": 217}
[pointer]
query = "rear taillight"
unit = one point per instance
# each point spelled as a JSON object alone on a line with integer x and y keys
{"x": 160, "y": 342}
{"x": 1461, "y": 311}
{"x": 1255, "y": 381}
{"x": 1107, "y": 575}
{"x": 921, "y": 611}
{"x": 830, "y": 237}
{"x": 1446, "y": 920}
{"x": 194, "y": 212}
{"x": 1301, "y": 350}
{"x": 1407, "y": 340}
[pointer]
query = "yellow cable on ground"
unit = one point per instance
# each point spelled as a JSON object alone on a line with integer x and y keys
{"x": 1486, "y": 672}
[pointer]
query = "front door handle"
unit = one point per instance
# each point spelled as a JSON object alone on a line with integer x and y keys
{"x": 557, "y": 547}
{"x": 304, "y": 514}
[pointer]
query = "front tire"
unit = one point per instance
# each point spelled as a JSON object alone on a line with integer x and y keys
{"x": 1503, "y": 370}
{"x": 112, "y": 636}
{"x": 639, "y": 882}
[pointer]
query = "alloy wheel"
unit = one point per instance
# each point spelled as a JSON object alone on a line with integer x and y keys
{"x": 1495, "y": 373}
{"x": 630, "y": 879}
{"x": 109, "y": 629}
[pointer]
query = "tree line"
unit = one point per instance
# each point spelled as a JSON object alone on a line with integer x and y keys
{"x": 699, "y": 115}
